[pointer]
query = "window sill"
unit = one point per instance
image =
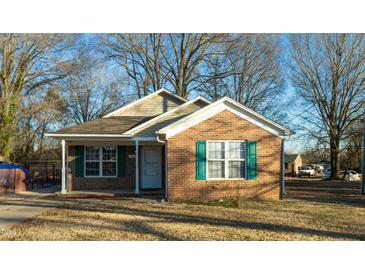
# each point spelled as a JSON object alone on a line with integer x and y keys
{"x": 226, "y": 179}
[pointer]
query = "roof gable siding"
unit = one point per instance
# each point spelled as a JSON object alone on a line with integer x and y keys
{"x": 169, "y": 119}
{"x": 219, "y": 106}
{"x": 155, "y": 105}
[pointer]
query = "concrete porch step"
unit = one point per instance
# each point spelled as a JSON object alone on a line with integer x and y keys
{"x": 109, "y": 194}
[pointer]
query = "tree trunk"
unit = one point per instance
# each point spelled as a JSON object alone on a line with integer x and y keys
{"x": 335, "y": 152}
{"x": 7, "y": 141}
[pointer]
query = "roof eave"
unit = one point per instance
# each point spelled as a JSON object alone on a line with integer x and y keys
{"x": 222, "y": 103}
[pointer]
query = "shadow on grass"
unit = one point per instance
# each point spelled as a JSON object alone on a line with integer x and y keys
{"x": 345, "y": 193}
{"x": 144, "y": 227}
{"x": 157, "y": 214}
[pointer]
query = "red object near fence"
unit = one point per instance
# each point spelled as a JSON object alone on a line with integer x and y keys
{"x": 14, "y": 178}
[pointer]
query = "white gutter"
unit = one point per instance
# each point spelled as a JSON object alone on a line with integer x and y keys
{"x": 160, "y": 141}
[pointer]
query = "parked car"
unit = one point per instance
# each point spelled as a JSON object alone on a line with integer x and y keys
{"x": 306, "y": 171}
{"x": 327, "y": 174}
{"x": 349, "y": 175}
{"x": 318, "y": 170}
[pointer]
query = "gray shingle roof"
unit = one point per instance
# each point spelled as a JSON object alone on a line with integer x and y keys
{"x": 111, "y": 125}
{"x": 289, "y": 158}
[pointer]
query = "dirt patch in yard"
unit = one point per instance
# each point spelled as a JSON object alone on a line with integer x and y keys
{"x": 135, "y": 219}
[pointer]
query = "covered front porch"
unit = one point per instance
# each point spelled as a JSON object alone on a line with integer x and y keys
{"x": 114, "y": 167}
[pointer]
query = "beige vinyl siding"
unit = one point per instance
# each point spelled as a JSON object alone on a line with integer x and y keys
{"x": 173, "y": 117}
{"x": 155, "y": 105}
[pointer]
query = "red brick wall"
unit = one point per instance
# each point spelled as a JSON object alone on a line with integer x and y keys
{"x": 223, "y": 126}
{"x": 81, "y": 183}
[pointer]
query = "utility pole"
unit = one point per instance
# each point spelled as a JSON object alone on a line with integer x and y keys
{"x": 362, "y": 161}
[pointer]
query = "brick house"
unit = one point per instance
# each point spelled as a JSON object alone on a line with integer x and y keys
{"x": 293, "y": 163}
{"x": 183, "y": 149}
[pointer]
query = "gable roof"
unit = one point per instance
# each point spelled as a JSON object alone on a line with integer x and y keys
{"x": 180, "y": 115}
{"x": 289, "y": 158}
{"x": 129, "y": 126}
{"x": 225, "y": 104}
{"x": 152, "y": 125}
{"x": 145, "y": 99}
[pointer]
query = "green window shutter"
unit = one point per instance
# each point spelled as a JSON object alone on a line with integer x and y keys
{"x": 252, "y": 160}
{"x": 121, "y": 161}
{"x": 200, "y": 160}
{"x": 79, "y": 153}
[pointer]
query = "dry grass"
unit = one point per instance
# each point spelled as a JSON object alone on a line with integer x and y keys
{"x": 133, "y": 219}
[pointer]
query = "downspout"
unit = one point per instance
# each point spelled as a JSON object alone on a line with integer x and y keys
{"x": 282, "y": 170}
{"x": 166, "y": 163}
{"x": 166, "y": 172}
{"x": 159, "y": 140}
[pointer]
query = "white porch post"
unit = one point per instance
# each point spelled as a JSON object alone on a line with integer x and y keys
{"x": 63, "y": 143}
{"x": 137, "y": 167}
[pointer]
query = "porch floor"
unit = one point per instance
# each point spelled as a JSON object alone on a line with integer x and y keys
{"x": 112, "y": 193}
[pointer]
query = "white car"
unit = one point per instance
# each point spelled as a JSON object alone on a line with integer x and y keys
{"x": 349, "y": 175}
{"x": 306, "y": 171}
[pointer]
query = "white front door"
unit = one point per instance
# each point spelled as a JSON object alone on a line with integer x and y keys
{"x": 151, "y": 173}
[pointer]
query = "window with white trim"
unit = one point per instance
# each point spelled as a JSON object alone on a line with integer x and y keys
{"x": 100, "y": 161}
{"x": 226, "y": 160}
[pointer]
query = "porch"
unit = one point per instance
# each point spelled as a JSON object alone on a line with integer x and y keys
{"x": 143, "y": 163}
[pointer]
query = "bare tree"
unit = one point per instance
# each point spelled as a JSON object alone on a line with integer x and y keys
{"x": 249, "y": 71}
{"x": 154, "y": 60}
{"x": 35, "y": 116}
{"x": 92, "y": 91}
{"x": 328, "y": 72}
{"x": 351, "y": 154}
{"x": 140, "y": 56}
{"x": 27, "y": 62}
{"x": 184, "y": 55}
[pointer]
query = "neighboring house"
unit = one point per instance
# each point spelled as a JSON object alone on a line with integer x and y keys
{"x": 293, "y": 163}
{"x": 184, "y": 149}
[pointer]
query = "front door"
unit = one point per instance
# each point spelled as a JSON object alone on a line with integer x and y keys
{"x": 151, "y": 168}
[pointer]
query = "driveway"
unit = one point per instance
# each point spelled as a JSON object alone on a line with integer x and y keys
{"x": 17, "y": 208}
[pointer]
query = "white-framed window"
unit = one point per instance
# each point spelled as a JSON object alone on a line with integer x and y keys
{"x": 226, "y": 159}
{"x": 100, "y": 161}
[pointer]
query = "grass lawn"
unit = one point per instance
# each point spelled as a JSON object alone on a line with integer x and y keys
{"x": 137, "y": 219}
